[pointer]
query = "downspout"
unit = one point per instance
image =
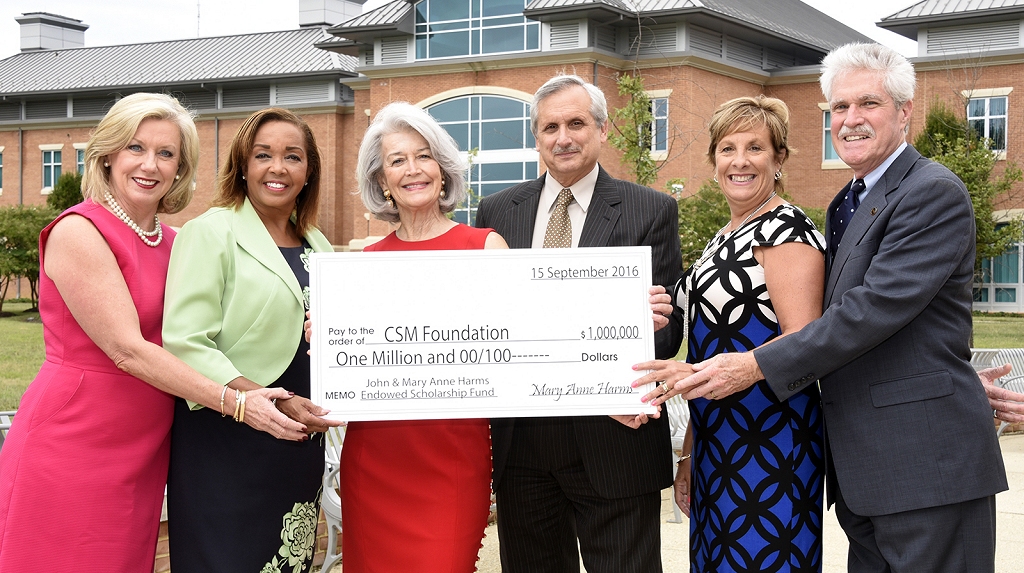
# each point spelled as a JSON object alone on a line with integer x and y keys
{"x": 216, "y": 147}
{"x": 21, "y": 167}
{"x": 594, "y": 81}
{"x": 21, "y": 182}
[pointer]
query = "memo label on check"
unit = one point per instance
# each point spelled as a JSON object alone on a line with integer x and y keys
{"x": 487, "y": 333}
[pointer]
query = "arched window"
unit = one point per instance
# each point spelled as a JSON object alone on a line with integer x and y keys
{"x": 494, "y": 132}
{"x": 453, "y": 28}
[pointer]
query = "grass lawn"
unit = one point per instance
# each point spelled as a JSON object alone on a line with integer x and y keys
{"x": 21, "y": 345}
{"x": 998, "y": 330}
{"x": 21, "y": 352}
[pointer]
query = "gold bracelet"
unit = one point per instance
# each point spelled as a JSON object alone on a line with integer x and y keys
{"x": 683, "y": 459}
{"x": 238, "y": 403}
{"x": 222, "y": 392}
{"x": 241, "y": 413}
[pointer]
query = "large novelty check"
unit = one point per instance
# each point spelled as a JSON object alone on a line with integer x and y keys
{"x": 478, "y": 334}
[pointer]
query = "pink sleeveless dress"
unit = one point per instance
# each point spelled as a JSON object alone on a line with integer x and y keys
{"x": 415, "y": 494}
{"x": 83, "y": 469}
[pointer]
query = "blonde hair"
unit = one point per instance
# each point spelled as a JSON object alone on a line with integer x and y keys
{"x": 743, "y": 112}
{"x": 231, "y": 187}
{"x": 116, "y": 130}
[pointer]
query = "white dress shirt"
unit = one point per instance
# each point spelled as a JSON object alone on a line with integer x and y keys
{"x": 582, "y": 192}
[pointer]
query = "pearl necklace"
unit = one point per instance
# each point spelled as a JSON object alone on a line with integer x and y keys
{"x": 144, "y": 235}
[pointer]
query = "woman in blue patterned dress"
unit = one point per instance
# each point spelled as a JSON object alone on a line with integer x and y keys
{"x": 754, "y": 492}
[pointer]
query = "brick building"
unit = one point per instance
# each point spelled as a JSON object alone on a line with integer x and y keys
{"x": 474, "y": 65}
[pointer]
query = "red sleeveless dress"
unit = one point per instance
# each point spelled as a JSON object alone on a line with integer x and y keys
{"x": 83, "y": 469}
{"x": 415, "y": 494}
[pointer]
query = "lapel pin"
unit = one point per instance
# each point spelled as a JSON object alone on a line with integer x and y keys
{"x": 874, "y": 210}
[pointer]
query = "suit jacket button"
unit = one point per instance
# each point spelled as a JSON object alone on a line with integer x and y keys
{"x": 793, "y": 386}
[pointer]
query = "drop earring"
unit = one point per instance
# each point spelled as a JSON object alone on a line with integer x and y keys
{"x": 778, "y": 175}
{"x": 387, "y": 197}
{"x": 442, "y": 189}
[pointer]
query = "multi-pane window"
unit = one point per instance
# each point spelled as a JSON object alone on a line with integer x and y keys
{"x": 828, "y": 151}
{"x": 494, "y": 132}
{"x": 51, "y": 168}
{"x": 1000, "y": 282}
{"x": 987, "y": 117}
{"x": 659, "y": 124}
{"x": 80, "y": 160}
{"x": 452, "y": 28}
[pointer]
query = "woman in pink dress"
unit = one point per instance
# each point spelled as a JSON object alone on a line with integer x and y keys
{"x": 83, "y": 469}
{"x": 415, "y": 494}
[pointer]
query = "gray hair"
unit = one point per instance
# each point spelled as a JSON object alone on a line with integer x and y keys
{"x": 898, "y": 73}
{"x": 598, "y": 105}
{"x": 401, "y": 116}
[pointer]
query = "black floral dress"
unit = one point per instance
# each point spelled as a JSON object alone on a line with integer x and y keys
{"x": 264, "y": 512}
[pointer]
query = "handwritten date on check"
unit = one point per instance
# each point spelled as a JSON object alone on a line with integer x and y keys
{"x": 480, "y": 334}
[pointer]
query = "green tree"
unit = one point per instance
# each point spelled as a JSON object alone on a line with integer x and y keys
{"x": 66, "y": 193}
{"x": 632, "y": 129}
{"x": 701, "y": 215}
{"x": 941, "y": 123}
{"x": 20, "y": 226}
{"x": 953, "y": 144}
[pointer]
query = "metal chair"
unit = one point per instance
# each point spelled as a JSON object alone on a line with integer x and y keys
{"x": 5, "y": 424}
{"x": 1013, "y": 356}
{"x": 678, "y": 418}
{"x": 982, "y": 358}
{"x": 1014, "y": 383}
{"x": 330, "y": 501}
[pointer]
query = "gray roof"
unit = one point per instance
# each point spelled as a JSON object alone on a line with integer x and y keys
{"x": 217, "y": 59}
{"x": 947, "y": 8}
{"x": 789, "y": 19}
{"x": 933, "y": 13}
{"x": 397, "y": 16}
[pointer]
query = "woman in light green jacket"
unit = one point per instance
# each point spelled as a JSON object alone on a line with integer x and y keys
{"x": 237, "y": 293}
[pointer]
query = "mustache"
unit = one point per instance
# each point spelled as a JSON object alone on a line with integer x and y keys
{"x": 570, "y": 149}
{"x": 862, "y": 130}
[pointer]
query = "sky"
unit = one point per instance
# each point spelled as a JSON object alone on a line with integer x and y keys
{"x": 130, "y": 22}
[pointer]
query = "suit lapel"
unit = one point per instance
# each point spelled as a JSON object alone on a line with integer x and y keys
{"x": 252, "y": 236}
{"x": 874, "y": 203}
{"x": 523, "y": 215}
{"x": 603, "y": 213}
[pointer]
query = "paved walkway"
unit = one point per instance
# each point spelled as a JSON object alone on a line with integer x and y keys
{"x": 1010, "y": 524}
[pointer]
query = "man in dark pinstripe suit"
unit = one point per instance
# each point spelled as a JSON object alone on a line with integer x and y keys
{"x": 591, "y": 480}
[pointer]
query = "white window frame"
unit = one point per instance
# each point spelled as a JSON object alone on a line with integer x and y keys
{"x": 660, "y": 154}
{"x": 988, "y": 94}
{"x": 79, "y": 157}
{"x": 826, "y": 139}
{"x": 1, "y": 170}
{"x": 43, "y": 149}
{"x": 478, "y": 24}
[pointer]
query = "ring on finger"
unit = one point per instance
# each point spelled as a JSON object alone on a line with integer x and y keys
{"x": 712, "y": 394}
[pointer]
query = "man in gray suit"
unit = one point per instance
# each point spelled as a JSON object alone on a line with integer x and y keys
{"x": 913, "y": 459}
{"x": 586, "y": 480}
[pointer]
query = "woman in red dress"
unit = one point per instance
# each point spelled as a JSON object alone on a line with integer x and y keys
{"x": 415, "y": 494}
